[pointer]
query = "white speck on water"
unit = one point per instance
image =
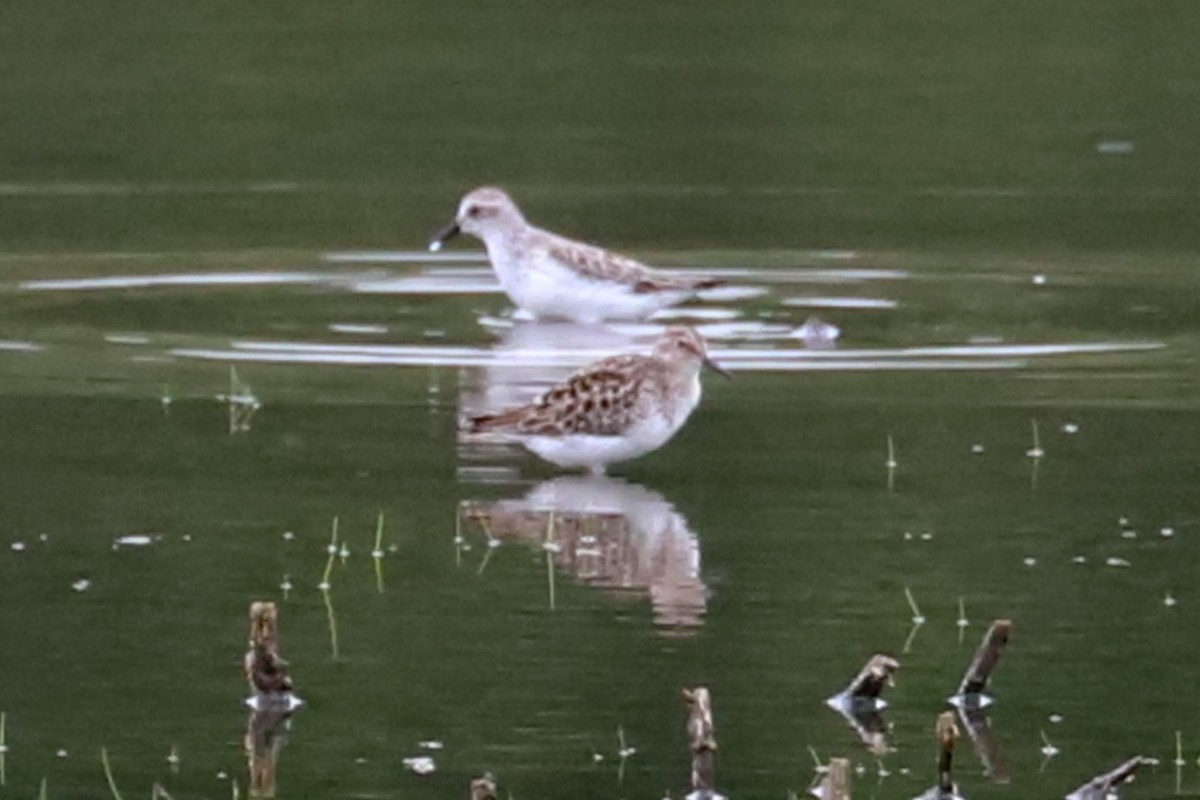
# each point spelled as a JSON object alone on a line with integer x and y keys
{"x": 860, "y": 769}
{"x": 552, "y": 547}
{"x": 286, "y": 585}
{"x": 493, "y": 543}
{"x": 1035, "y": 452}
{"x": 1169, "y": 600}
{"x": 421, "y": 765}
{"x": 133, "y": 540}
{"x": 43, "y": 537}
{"x": 393, "y": 548}
{"x": 1123, "y": 520}
{"x": 597, "y": 758}
{"x": 331, "y": 549}
{"x": 344, "y": 553}
{"x": 1129, "y": 533}
{"x": 187, "y": 537}
{"x": 431, "y": 744}
{"x": 288, "y": 536}
{"x": 1079, "y": 560}
{"x": 977, "y": 448}
{"x": 81, "y": 585}
{"x": 1115, "y": 147}
{"x": 1167, "y": 532}
{"x": 324, "y": 586}
{"x": 435, "y": 246}
{"x": 17, "y": 547}
{"x": 1116, "y": 561}
{"x": 222, "y": 775}
{"x": 377, "y": 554}
{"x": 360, "y": 760}
{"x": 1030, "y": 561}
{"x": 433, "y": 333}
{"x": 1056, "y": 718}
{"x": 1070, "y": 427}
{"x": 903, "y": 770}
{"x": 1039, "y": 280}
{"x": 925, "y": 537}
{"x": 907, "y": 536}
{"x": 61, "y": 753}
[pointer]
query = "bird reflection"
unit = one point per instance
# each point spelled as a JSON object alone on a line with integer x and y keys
{"x": 607, "y": 533}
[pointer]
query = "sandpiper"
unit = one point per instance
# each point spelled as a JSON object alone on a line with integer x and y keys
{"x": 618, "y": 408}
{"x": 551, "y": 276}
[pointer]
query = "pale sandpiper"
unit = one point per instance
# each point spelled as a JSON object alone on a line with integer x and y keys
{"x": 551, "y": 276}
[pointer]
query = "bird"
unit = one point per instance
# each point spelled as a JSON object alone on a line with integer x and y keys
{"x": 616, "y": 409}
{"x": 552, "y": 277}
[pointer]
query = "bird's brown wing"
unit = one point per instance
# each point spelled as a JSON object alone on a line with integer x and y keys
{"x": 599, "y": 400}
{"x": 599, "y": 264}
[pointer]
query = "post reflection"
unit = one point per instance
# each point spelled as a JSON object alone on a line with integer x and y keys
{"x": 607, "y": 533}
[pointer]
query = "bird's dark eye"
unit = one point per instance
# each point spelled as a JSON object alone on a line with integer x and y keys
{"x": 473, "y": 211}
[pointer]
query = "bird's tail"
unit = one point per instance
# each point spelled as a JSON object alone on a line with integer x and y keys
{"x": 499, "y": 421}
{"x": 675, "y": 284}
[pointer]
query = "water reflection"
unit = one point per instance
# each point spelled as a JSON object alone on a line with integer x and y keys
{"x": 616, "y": 536}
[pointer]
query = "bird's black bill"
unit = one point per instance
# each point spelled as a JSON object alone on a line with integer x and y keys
{"x": 715, "y": 367}
{"x": 444, "y": 235}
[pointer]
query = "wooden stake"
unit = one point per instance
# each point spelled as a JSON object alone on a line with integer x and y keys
{"x": 483, "y": 787}
{"x": 1103, "y": 784}
{"x": 947, "y": 734}
{"x": 975, "y": 679}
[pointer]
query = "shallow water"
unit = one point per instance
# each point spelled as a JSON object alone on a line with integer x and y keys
{"x": 521, "y": 617}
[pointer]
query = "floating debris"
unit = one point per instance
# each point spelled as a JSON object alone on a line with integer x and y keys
{"x": 1039, "y": 280}
{"x": 1166, "y": 532}
{"x": 1048, "y": 749}
{"x": 288, "y": 536}
{"x": 1070, "y": 428}
{"x": 976, "y": 448}
{"x": 962, "y": 620}
{"x": 430, "y": 744}
{"x": 1104, "y": 784}
{"x": 135, "y": 540}
{"x": 817, "y": 334}
{"x": 173, "y": 759}
{"x": 1169, "y": 600}
{"x": 421, "y": 765}
{"x": 17, "y": 547}
{"x": 1116, "y": 561}
{"x": 1079, "y": 560}
{"x": 1029, "y": 561}
{"x": 971, "y": 690}
{"x": 61, "y": 753}
{"x": 1056, "y": 718}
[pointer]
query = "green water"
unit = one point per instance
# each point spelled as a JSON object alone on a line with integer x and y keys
{"x": 955, "y": 148}
{"x": 780, "y": 478}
